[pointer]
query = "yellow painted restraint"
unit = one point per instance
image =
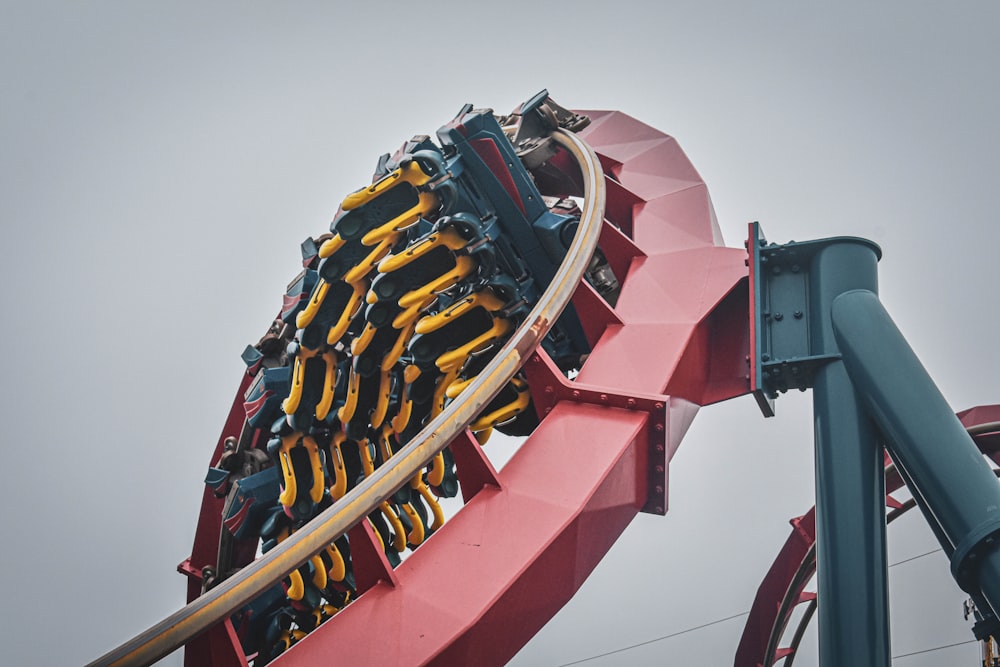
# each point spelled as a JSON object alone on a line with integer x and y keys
{"x": 319, "y": 294}
{"x": 361, "y": 343}
{"x": 436, "y": 473}
{"x": 398, "y": 532}
{"x": 440, "y": 391}
{"x": 291, "y": 404}
{"x": 367, "y": 461}
{"x": 319, "y": 578}
{"x": 397, "y": 349}
{"x": 381, "y": 407}
{"x": 465, "y": 266}
{"x": 416, "y": 534}
{"x": 340, "y": 328}
{"x": 455, "y": 358}
{"x": 294, "y": 587}
{"x": 338, "y": 568}
{"x": 346, "y": 412}
{"x": 484, "y": 299}
{"x": 402, "y": 418}
{"x": 331, "y": 245}
{"x": 384, "y": 396}
{"x": 329, "y": 385}
{"x": 339, "y": 487}
{"x": 316, "y": 299}
{"x": 503, "y": 413}
{"x": 448, "y": 237}
{"x": 384, "y": 445}
{"x": 418, "y": 484}
{"x": 409, "y": 175}
{"x": 413, "y": 312}
{"x": 365, "y": 266}
{"x": 290, "y": 493}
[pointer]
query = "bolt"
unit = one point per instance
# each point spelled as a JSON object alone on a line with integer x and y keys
{"x": 660, "y": 469}
{"x": 765, "y": 357}
{"x": 548, "y": 409}
{"x": 776, "y": 270}
{"x": 746, "y": 358}
{"x": 778, "y": 317}
{"x": 576, "y": 393}
{"x": 659, "y": 490}
{"x": 549, "y": 389}
{"x": 660, "y": 448}
{"x": 630, "y": 402}
{"x": 604, "y": 398}
{"x": 797, "y": 314}
{"x": 795, "y": 268}
{"x": 746, "y": 262}
{"x": 659, "y": 509}
{"x": 658, "y": 406}
{"x": 658, "y": 428}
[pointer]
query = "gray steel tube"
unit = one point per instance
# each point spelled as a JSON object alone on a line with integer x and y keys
{"x": 925, "y": 437}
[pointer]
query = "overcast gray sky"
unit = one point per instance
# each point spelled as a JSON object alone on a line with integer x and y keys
{"x": 161, "y": 162}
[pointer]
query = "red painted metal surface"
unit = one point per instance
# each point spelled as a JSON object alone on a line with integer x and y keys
{"x": 531, "y": 533}
{"x": 796, "y": 563}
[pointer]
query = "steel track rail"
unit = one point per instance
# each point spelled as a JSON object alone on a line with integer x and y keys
{"x": 220, "y": 602}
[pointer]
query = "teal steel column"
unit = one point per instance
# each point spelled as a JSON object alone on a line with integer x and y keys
{"x": 925, "y": 438}
{"x": 850, "y": 485}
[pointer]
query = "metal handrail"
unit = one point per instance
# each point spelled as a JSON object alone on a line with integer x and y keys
{"x": 236, "y": 591}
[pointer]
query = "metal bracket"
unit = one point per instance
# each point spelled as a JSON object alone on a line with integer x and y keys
{"x": 786, "y": 348}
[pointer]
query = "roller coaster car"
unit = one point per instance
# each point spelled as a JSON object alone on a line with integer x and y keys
{"x": 394, "y": 314}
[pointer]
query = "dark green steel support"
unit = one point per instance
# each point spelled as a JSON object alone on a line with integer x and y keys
{"x": 850, "y": 485}
{"x": 926, "y": 440}
{"x": 794, "y": 287}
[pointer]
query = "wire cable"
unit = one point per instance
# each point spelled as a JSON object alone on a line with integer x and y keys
{"x": 745, "y": 613}
{"x": 651, "y": 641}
{"x": 936, "y": 648}
{"x": 907, "y": 560}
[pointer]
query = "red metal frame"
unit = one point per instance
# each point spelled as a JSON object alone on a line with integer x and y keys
{"x": 529, "y": 535}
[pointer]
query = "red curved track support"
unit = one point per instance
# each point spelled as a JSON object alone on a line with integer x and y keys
{"x": 784, "y": 584}
{"x": 530, "y": 534}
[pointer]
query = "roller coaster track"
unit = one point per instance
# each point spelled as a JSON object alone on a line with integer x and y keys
{"x": 527, "y": 536}
{"x": 221, "y": 601}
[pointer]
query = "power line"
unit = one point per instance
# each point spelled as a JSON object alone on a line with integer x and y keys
{"x": 745, "y": 613}
{"x": 907, "y": 560}
{"x": 651, "y": 641}
{"x": 936, "y": 648}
